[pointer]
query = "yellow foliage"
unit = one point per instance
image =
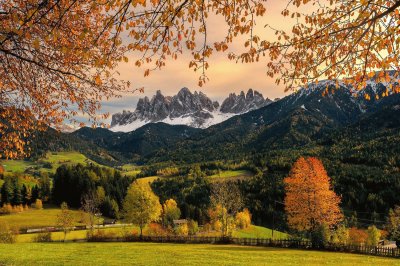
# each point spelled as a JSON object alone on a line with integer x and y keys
{"x": 243, "y": 219}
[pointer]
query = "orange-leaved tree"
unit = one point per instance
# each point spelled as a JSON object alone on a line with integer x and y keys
{"x": 310, "y": 201}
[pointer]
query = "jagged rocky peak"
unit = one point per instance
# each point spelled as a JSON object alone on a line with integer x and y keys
{"x": 182, "y": 105}
{"x": 192, "y": 109}
{"x": 243, "y": 102}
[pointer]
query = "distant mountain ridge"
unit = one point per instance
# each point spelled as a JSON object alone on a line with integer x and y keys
{"x": 304, "y": 118}
{"x": 186, "y": 108}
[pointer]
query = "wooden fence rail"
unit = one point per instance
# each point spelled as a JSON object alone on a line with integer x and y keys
{"x": 264, "y": 242}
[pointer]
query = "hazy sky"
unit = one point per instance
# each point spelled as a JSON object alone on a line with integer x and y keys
{"x": 225, "y": 76}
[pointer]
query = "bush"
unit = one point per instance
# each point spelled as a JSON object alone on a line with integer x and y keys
{"x": 6, "y": 209}
{"x": 321, "y": 236}
{"x": 100, "y": 235}
{"x": 7, "y": 234}
{"x": 217, "y": 225}
{"x": 357, "y": 236}
{"x": 42, "y": 237}
{"x": 207, "y": 227}
{"x": 155, "y": 229}
{"x": 38, "y": 204}
{"x": 374, "y": 236}
{"x": 341, "y": 235}
{"x": 182, "y": 230}
{"x": 193, "y": 227}
{"x": 243, "y": 219}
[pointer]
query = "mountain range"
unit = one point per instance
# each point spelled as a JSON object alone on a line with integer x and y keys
{"x": 186, "y": 108}
{"x": 308, "y": 121}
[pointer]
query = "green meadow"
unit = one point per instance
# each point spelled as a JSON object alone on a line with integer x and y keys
{"x": 33, "y": 218}
{"x": 231, "y": 174}
{"x": 55, "y": 159}
{"x": 173, "y": 254}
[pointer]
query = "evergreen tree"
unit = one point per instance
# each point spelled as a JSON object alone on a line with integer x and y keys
{"x": 45, "y": 187}
{"x": 24, "y": 194}
{"x": 7, "y": 191}
{"x": 17, "y": 196}
{"x": 35, "y": 194}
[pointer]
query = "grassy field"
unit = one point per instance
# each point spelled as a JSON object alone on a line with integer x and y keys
{"x": 148, "y": 179}
{"x": 79, "y": 234}
{"x": 259, "y": 232}
{"x": 172, "y": 254}
{"x": 16, "y": 166}
{"x": 55, "y": 159}
{"x": 37, "y": 218}
{"x": 130, "y": 170}
{"x": 231, "y": 174}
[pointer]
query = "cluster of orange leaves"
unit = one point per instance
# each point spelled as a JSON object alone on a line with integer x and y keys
{"x": 333, "y": 40}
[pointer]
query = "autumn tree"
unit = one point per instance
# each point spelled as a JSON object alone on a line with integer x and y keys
{"x": 374, "y": 235}
{"x": 226, "y": 200}
{"x": 65, "y": 219}
{"x": 90, "y": 206}
{"x": 310, "y": 201}
{"x": 170, "y": 212}
{"x": 393, "y": 224}
{"x": 243, "y": 219}
{"x": 141, "y": 206}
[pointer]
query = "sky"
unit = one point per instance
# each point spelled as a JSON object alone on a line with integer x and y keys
{"x": 225, "y": 76}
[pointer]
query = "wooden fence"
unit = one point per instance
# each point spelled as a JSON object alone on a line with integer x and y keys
{"x": 263, "y": 242}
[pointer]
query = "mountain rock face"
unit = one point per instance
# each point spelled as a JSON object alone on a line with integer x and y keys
{"x": 186, "y": 108}
{"x": 242, "y": 103}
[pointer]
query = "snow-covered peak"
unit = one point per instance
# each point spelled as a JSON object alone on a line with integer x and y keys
{"x": 186, "y": 108}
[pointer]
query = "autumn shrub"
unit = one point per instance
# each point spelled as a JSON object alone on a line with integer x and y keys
{"x": 182, "y": 230}
{"x": 100, "y": 235}
{"x": 7, "y": 233}
{"x": 38, "y": 204}
{"x": 357, "y": 236}
{"x": 321, "y": 236}
{"x": 341, "y": 235}
{"x": 243, "y": 219}
{"x": 217, "y": 225}
{"x": 6, "y": 209}
{"x": 193, "y": 227}
{"x": 42, "y": 237}
{"x": 155, "y": 229}
{"x": 374, "y": 236}
{"x": 207, "y": 227}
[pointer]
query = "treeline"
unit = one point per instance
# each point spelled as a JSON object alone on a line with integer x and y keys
{"x": 16, "y": 192}
{"x": 73, "y": 182}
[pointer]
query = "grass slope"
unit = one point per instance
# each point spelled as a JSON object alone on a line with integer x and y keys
{"x": 172, "y": 254}
{"x": 231, "y": 174}
{"x": 259, "y": 232}
{"x": 149, "y": 179}
{"x": 55, "y": 159}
